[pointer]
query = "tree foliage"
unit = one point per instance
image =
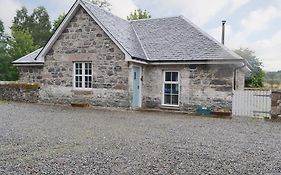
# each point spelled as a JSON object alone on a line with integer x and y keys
{"x": 102, "y": 4}
{"x": 57, "y": 22}
{"x": 20, "y": 44}
{"x": 139, "y": 14}
{"x": 38, "y": 24}
{"x": 4, "y": 59}
{"x": 256, "y": 77}
{"x": 1, "y": 28}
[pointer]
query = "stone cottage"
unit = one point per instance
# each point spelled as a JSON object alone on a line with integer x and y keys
{"x": 104, "y": 60}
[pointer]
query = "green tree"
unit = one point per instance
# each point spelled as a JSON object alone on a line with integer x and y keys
{"x": 102, "y": 4}
{"x": 1, "y": 29}
{"x": 57, "y": 22}
{"x": 256, "y": 77}
{"x": 139, "y": 14}
{"x": 38, "y": 24}
{"x": 21, "y": 20}
{"x": 4, "y": 59}
{"x": 20, "y": 44}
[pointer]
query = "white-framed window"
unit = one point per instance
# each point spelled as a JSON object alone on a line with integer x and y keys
{"x": 171, "y": 88}
{"x": 82, "y": 75}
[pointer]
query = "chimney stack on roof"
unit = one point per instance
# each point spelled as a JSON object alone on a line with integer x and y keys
{"x": 223, "y": 31}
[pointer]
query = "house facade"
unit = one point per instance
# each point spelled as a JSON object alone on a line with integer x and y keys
{"x": 98, "y": 58}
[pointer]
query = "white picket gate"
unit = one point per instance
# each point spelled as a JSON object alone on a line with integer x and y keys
{"x": 251, "y": 103}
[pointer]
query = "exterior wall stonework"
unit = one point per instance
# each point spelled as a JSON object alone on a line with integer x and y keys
{"x": 207, "y": 85}
{"x": 84, "y": 41}
{"x": 30, "y": 74}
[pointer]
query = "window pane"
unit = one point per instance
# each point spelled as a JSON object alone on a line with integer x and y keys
{"x": 78, "y": 68}
{"x": 175, "y": 89}
{"x": 88, "y": 81}
{"x": 78, "y": 81}
{"x": 88, "y": 68}
{"x": 174, "y": 76}
{"x": 78, "y": 65}
{"x": 175, "y": 99}
{"x": 167, "y": 76}
{"x": 167, "y": 89}
{"x": 167, "y": 99}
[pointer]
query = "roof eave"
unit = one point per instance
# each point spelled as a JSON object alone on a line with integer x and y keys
{"x": 206, "y": 61}
{"x": 28, "y": 63}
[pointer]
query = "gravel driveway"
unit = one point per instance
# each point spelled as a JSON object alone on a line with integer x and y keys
{"x": 48, "y": 139}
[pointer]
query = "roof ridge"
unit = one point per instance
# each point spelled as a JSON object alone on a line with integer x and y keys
{"x": 210, "y": 37}
{"x": 139, "y": 41}
{"x": 87, "y": 1}
{"x": 149, "y": 19}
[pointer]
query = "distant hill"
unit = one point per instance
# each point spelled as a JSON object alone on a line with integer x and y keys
{"x": 273, "y": 76}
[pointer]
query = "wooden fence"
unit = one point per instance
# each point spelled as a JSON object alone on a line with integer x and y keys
{"x": 251, "y": 103}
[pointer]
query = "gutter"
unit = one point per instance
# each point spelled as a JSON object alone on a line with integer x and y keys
{"x": 29, "y": 64}
{"x": 187, "y": 61}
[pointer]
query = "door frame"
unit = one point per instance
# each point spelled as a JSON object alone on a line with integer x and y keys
{"x": 140, "y": 86}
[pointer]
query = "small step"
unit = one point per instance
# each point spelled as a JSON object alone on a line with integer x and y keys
{"x": 81, "y": 105}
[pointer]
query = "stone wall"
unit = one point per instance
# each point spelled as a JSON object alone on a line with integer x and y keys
{"x": 17, "y": 91}
{"x": 276, "y": 103}
{"x": 30, "y": 74}
{"x": 84, "y": 41}
{"x": 206, "y": 85}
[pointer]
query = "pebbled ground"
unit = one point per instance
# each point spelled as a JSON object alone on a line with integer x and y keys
{"x": 50, "y": 139}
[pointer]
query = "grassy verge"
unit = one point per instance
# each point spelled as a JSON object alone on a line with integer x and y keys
{"x": 4, "y": 102}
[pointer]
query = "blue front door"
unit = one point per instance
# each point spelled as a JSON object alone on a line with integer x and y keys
{"x": 136, "y": 87}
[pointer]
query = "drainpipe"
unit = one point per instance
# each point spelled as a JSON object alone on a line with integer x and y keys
{"x": 236, "y": 68}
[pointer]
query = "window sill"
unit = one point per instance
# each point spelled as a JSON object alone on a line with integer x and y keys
{"x": 170, "y": 107}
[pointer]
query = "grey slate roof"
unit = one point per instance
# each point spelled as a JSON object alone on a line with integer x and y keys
{"x": 162, "y": 39}
{"x": 176, "y": 38}
{"x": 30, "y": 58}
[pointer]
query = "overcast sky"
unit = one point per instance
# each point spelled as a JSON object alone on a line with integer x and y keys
{"x": 255, "y": 24}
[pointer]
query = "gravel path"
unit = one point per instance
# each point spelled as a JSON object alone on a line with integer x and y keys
{"x": 47, "y": 139}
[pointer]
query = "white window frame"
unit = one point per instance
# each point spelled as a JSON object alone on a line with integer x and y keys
{"x": 83, "y": 76}
{"x": 170, "y": 82}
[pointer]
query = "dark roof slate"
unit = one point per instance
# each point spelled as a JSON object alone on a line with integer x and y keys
{"x": 162, "y": 39}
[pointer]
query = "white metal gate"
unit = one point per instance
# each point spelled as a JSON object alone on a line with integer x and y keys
{"x": 251, "y": 103}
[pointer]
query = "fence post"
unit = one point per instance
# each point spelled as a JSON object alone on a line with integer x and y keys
{"x": 276, "y": 103}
